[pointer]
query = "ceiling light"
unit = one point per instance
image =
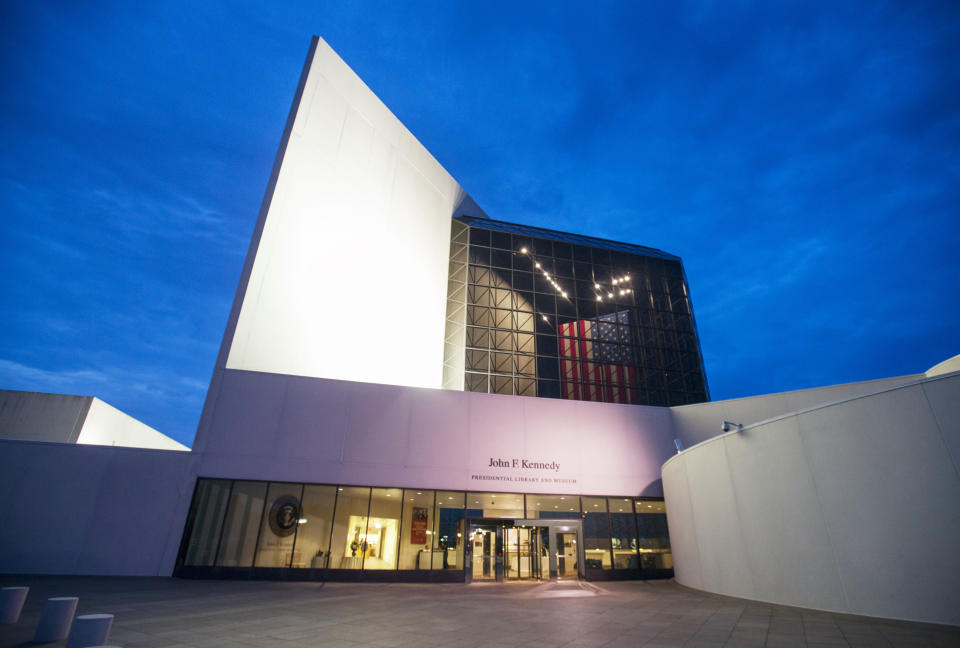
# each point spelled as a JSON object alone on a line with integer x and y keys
{"x": 523, "y": 250}
{"x": 597, "y": 286}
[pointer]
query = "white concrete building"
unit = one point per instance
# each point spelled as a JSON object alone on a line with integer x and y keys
{"x": 513, "y": 409}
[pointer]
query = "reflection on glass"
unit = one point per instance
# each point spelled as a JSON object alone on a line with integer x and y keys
{"x": 417, "y": 528}
{"x": 623, "y": 536}
{"x": 279, "y": 525}
{"x": 448, "y": 537}
{"x": 243, "y": 520}
{"x": 349, "y": 528}
{"x": 313, "y": 529}
{"x": 209, "y": 504}
{"x": 383, "y": 529}
{"x": 596, "y": 533}
{"x": 543, "y": 507}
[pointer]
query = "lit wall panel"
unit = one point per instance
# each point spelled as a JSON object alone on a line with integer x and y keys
{"x": 349, "y": 275}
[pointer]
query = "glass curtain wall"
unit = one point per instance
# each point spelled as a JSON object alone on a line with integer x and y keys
{"x": 596, "y": 532}
{"x": 281, "y": 515}
{"x": 383, "y": 529}
{"x": 241, "y": 524}
{"x": 654, "y": 538}
{"x": 448, "y": 536}
{"x": 554, "y": 318}
{"x": 348, "y": 545}
{"x": 206, "y": 515}
{"x": 287, "y": 525}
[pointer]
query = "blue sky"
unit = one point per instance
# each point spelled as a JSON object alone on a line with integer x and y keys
{"x": 802, "y": 158}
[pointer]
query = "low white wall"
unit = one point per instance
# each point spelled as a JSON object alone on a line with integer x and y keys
{"x": 269, "y": 426}
{"x": 106, "y": 425}
{"x": 79, "y": 509}
{"x": 852, "y": 507}
{"x": 701, "y": 421}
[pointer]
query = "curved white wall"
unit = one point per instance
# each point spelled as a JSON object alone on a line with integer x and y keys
{"x": 852, "y": 507}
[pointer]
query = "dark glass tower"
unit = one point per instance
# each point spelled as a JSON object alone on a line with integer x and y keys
{"x": 534, "y": 312}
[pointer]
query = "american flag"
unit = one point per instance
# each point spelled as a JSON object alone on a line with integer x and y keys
{"x": 594, "y": 367}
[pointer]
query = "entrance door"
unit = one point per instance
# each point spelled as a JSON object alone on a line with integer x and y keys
{"x": 484, "y": 543}
{"x": 567, "y": 566}
{"x": 522, "y": 553}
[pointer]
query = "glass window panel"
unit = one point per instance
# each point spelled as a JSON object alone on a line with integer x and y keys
{"x": 503, "y": 363}
{"x": 525, "y": 365}
{"x": 523, "y": 262}
{"x": 654, "y": 540}
{"x": 501, "y": 258}
{"x": 596, "y": 533}
{"x": 502, "y": 340}
{"x": 502, "y": 298}
{"x": 312, "y": 543}
{"x": 623, "y": 533}
{"x": 478, "y": 337}
{"x": 478, "y": 316}
{"x": 502, "y": 385}
{"x": 476, "y": 382}
{"x": 479, "y": 236}
{"x": 523, "y": 322}
{"x": 279, "y": 525}
{"x": 448, "y": 535}
{"x": 525, "y": 343}
{"x": 542, "y": 285}
{"x": 495, "y": 505}
{"x": 562, "y": 268}
{"x": 544, "y": 507}
{"x": 479, "y": 275}
{"x": 209, "y": 505}
{"x": 502, "y": 319}
{"x": 417, "y": 527}
{"x": 583, "y": 269}
{"x": 601, "y": 256}
{"x": 349, "y": 528}
{"x": 548, "y": 389}
{"x": 523, "y": 301}
{"x": 566, "y": 307}
{"x": 501, "y": 240}
{"x": 547, "y": 345}
{"x": 478, "y": 295}
{"x": 478, "y": 360}
{"x": 522, "y": 280}
{"x": 581, "y": 253}
{"x": 546, "y": 304}
{"x": 526, "y": 387}
{"x": 479, "y": 255}
{"x": 242, "y": 524}
{"x": 383, "y": 529}
{"x": 548, "y": 368}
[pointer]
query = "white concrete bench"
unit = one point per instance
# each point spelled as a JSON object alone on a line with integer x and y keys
{"x": 11, "y": 603}
{"x": 55, "y": 619}
{"x": 89, "y": 630}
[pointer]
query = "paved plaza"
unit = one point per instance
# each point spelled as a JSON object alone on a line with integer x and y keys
{"x": 174, "y": 613}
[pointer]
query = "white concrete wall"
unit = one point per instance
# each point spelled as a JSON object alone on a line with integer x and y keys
{"x": 267, "y": 426}
{"x": 349, "y": 271}
{"x": 852, "y": 507}
{"x": 35, "y": 416}
{"x": 79, "y": 509}
{"x": 701, "y": 421}
{"x": 106, "y": 425}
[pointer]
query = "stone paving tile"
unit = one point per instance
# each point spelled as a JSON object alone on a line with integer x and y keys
{"x": 173, "y": 613}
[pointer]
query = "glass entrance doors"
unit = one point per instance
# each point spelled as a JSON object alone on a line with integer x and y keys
{"x": 523, "y": 550}
{"x": 483, "y": 543}
{"x": 567, "y": 563}
{"x": 524, "y": 553}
